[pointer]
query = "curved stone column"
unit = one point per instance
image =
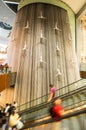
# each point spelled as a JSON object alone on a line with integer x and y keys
{"x": 41, "y": 51}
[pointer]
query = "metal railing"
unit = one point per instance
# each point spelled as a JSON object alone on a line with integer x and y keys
{"x": 42, "y": 111}
{"x": 59, "y": 92}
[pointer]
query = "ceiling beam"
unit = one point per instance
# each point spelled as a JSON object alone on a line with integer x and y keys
{"x": 83, "y": 9}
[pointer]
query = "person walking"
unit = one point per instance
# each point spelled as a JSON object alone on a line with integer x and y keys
{"x": 52, "y": 92}
{"x": 58, "y": 111}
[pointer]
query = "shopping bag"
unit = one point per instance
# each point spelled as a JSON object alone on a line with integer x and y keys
{"x": 19, "y": 125}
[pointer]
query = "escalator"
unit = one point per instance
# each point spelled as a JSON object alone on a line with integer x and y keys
{"x": 71, "y": 121}
{"x": 74, "y": 102}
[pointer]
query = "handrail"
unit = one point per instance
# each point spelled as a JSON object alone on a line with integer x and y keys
{"x": 39, "y": 116}
{"x": 50, "y": 120}
{"x": 58, "y": 90}
{"x": 44, "y": 104}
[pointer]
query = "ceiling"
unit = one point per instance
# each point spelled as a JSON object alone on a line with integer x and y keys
{"x": 8, "y": 9}
{"x": 75, "y": 5}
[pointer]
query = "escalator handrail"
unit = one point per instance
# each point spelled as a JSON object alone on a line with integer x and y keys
{"x": 48, "y": 94}
{"x": 50, "y": 120}
{"x": 44, "y": 104}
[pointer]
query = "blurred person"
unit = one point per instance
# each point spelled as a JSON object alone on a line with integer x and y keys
{"x": 1, "y": 68}
{"x": 6, "y": 108}
{"x": 52, "y": 92}
{"x": 58, "y": 111}
{"x": 1, "y": 114}
{"x": 11, "y": 108}
{"x": 6, "y": 67}
{"x": 4, "y": 123}
{"x": 14, "y": 121}
{"x": 14, "y": 104}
